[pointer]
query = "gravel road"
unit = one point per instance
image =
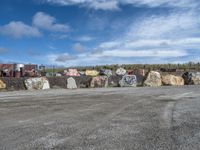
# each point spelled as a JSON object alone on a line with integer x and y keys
{"x": 164, "y": 118}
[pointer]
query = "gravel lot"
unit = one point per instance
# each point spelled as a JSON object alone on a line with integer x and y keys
{"x": 104, "y": 119}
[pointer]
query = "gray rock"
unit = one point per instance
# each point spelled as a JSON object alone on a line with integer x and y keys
{"x": 113, "y": 81}
{"x": 105, "y": 72}
{"x": 191, "y": 78}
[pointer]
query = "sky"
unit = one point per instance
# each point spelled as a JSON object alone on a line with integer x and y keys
{"x": 99, "y": 32}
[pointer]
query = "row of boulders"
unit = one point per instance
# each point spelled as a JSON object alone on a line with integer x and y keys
{"x": 152, "y": 79}
{"x": 155, "y": 79}
{"x": 103, "y": 72}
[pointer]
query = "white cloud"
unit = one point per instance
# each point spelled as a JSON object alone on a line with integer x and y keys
{"x": 142, "y": 53}
{"x": 163, "y": 3}
{"x": 78, "y": 47}
{"x": 46, "y": 22}
{"x": 108, "y": 45}
{"x": 59, "y": 59}
{"x": 85, "y": 38}
{"x": 178, "y": 43}
{"x": 177, "y": 24}
{"x": 104, "y": 5}
{"x": 17, "y": 29}
{"x": 114, "y": 4}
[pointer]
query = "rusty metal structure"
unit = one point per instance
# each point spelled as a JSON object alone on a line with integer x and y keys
{"x": 18, "y": 70}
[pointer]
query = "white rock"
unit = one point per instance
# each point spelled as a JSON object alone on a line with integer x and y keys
{"x": 121, "y": 71}
{"x": 37, "y": 83}
{"x": 71, "y": 83}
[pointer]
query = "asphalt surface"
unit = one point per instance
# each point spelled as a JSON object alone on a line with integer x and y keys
{"x": 166, "y": 118}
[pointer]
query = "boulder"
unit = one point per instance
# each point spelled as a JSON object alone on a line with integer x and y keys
{"x": 2, "y": 85}
{"x": 92, "y": 73}
{"x": 172, "y": 80}
{"x": 37, "y": 83}
{"x": 71, "y": 72}
{"x": 83, "y": 81}
{"x": 58, "y": 82}
{"x": 140, "y": 79}
{"x": 105, "y": 72}
{"x": 113, "y": 81}
{"x": 196, "y": 78}
{"x": 191, "y": 78}
{"x": 99, "y": 81}
{"x": 153, "y": 79}
{"x": 128, "y": 81}
{"x": 120, "y": 71}
{"x": 71, "y": 83}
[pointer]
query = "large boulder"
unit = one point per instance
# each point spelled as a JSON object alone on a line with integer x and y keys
{"x": 128, "y": 81}
{"x": 153, "y": 79}
{"x": 71, "y": 72}
{"x": 121, "y": 71}
{"x": 106, "y": 72}
{"x": 37, "y": 83}
{"x": 71, "y": 83}
{"x": 83, "y": 81}
{"x": 172, "y": 80}
{"x": 113, "y": 81}
{"x": 191, "y": 78}
{"x": 92, "y": 73}
{"x": 99, "y": 81}
{"x": 2, "y": 85}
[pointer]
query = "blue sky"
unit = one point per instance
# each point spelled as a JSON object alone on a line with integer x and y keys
{"x": 96, "y": 32}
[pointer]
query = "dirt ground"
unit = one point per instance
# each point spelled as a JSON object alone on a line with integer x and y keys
{"x": 163, "y": 118}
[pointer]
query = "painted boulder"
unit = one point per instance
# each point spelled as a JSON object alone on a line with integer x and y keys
{"x": 120, "y": 71}
{"x": 92, "y": 73}
{"x": 99, "y": 81}
{"x": 128, "y": 81}
{"x": 105, "y": 72}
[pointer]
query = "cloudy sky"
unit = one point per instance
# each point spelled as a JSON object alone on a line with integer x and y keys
{"x": 91, "y": 32}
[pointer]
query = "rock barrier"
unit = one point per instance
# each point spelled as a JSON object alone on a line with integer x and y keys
{"x": 153, "y": 79}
